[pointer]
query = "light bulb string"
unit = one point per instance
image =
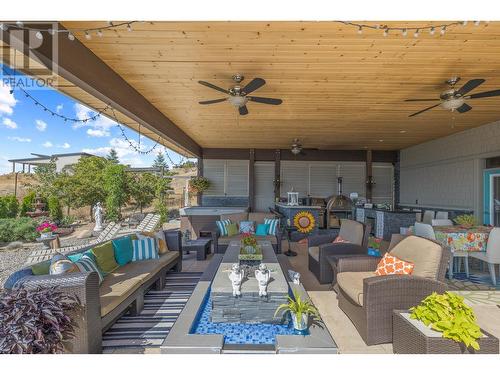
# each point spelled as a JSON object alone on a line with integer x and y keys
{"x": 112, "y": 26}
{"x": 361, "y": 26}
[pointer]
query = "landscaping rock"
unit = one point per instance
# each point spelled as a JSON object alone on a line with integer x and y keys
{"x": 14, "y": 245}
{"x": 85, "y": 233}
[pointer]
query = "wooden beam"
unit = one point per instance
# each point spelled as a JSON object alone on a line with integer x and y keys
{"x": 251, "y": 180}
{"x": 80, "y": 66}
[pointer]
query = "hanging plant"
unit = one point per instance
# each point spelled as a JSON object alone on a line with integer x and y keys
{"x": 198, "y": 184}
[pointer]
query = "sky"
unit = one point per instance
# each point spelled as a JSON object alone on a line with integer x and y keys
{"x": 26, "y": 128}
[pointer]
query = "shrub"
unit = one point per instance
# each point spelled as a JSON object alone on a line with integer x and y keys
{"x": 66, "y": 221}
{"x": 198, "y": 184}
{"x": 23, "y": 228}
{"x": 162, "y": 210}
{"x": 9, "y": 206}
{"x": 54, "y": 208}
{"x": 115, "y": 187}
{"x": 37, "y": 320}
{"x": 27, "y": 203}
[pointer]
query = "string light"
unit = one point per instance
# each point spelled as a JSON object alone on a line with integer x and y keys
{"x": 39, "y": 35}
{"x": 87, "y": 35}
{"x": 464, "y": 23}
{"x": 443, "y": 30}
{"x": 432, "y": 31}
{"x": 476, "y": 23}
{"x": 99, "y": 33}
{"x": 51, "y": 31}
{"x": 129, "y": 28}
{"x": 19, "y": 24}
{"x": 131, "y": 144}
{"x": 386, "y": 32}
{"x": 360, "y": 30}
{"x": 416, "y": 34}
{"x": 3, "y": 27}
{"x": 405, "y": 32}
{"x": 71, "y": 37}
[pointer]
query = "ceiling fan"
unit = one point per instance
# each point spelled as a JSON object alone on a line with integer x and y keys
{"x": 296, "y": 148}
{"x": 238, "y": 96}
{"x": 455, "y": 100}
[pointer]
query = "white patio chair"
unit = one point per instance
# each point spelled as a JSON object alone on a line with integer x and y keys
{"x": 441, "y": 215}
{"x": 428, "y": 216}
{"x": 424, "y": 230}
{"x": 492, "y": 254}
{"x": 441, "y": 222}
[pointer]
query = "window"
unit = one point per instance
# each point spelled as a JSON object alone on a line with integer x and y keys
{"x": 227, "y": 177}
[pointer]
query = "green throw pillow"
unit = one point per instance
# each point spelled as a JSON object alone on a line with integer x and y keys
{"x": 105, "y": 257}
{"x": 123, "y": 250}
{"x": 232, "y": 229}
{"x": 41, "y": 268}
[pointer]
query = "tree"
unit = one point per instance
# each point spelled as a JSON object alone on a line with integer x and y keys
{"x": 46, "y": 175}
{"x": 115, "y": 188}
{"x": 142, "y": 188}
{"x": 160, "y": 162}
{"x": 113, "y": 156}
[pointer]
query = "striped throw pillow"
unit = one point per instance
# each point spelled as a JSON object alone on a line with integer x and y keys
{"x": 145, "y": 249}
{"x": 88, "y": 264}
{"x": 273, "y": 225}
{"x": 221, "y": 225}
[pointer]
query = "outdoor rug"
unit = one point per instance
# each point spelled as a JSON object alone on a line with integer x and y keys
{"x": 161, "y": 309}
{"x": 477, "y": 281}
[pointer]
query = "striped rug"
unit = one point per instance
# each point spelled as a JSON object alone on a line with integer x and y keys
{"x": 161, "y": 309}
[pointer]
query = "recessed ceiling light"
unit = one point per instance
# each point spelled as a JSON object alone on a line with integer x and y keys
{"x": 381, "y": 140}
{"x": 402, "y": 131}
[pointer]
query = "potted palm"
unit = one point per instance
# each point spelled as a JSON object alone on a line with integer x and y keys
{"x": 300, "y": 311}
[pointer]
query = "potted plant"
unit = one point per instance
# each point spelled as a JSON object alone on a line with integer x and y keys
{"x": 198, "y": 184}
{"x": 45, "y": 229}
{"x": 466, "y": 220}
{"x": 300, "y": 311}
{"x": 36, "y": 321}
{"x": 249, "y": 242}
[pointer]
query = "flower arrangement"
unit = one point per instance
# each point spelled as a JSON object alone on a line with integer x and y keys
{"x": 304, "y": 222}
{"x": 46, "y": 227}
{"x": 249, "y": 239}
{"x": 466, "y": 220}
{"x": 198, "y": 184}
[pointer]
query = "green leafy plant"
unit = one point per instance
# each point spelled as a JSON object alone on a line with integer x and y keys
{"x": 198, "y": 184}
{"x": 447, "y": 313}
{"x": 28, "y": 202}
{"x": 466, "y": 220}
{"x": 36, "y": 320}
{"x": 14, "y": 229}
{"x": 297, "y": 307}
{"x": 54, "y": 207}
{"x": 9, "y": 206}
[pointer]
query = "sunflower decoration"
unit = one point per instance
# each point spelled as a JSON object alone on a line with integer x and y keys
{"x": 304, "y": 222}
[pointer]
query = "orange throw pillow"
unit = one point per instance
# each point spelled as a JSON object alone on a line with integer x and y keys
{"x": 339, "y": 239}
{"x": 391, "y": 265}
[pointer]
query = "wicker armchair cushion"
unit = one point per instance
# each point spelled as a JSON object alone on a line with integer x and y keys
{"x": 314, "y": 252}
{"x": 235, "y": 218}
{"x": 351, "y": 231}
{"x": 259, "y": 217}
{"x": 352, "y": 284}
{"x": 423, "y": 253}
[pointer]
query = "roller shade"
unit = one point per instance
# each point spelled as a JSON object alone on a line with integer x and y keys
{"x": 227, "y": 177}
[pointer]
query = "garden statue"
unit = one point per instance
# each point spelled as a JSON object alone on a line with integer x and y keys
{"x": 294, "y": 276}
{"x": 98, "y": 217}
{"x": 263, "y": 275}
{"x": 236, "y": 276}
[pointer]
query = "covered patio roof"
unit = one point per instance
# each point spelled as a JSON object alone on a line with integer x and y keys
{"x": 340, "y": 90}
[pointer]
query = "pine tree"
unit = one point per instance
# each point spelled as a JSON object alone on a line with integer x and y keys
{"x": 113, "y": 156}
{"x": 160, "y": 162}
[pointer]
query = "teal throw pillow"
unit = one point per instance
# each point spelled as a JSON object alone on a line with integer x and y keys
{"x": 262, "y": 229}
{"x": 123, "y": 249}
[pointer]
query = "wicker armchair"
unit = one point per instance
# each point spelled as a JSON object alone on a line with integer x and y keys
{"x": 369, "y": 300}
{"x": 321, "y": 247}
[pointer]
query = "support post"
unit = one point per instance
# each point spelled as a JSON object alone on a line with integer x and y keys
{"x": 369, "y": 175}
{"x": 251, "y": 180}
{"x": 277, "y": 174}
{"x": 199, "y": 174}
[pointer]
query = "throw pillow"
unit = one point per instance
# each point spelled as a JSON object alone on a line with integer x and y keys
{"x": 87, "y": 263}
{"x": 262, "y": 229}
{"x": 221, "y": 225}
{"x": 123, "y": 250}
{"x": 339, "y": 239}
{"x": 232, "y": 229}
{"x": 247, "y": 227}
{"x": 159, "y": 237}
{"x": 145, "y": 249}
{"x": 105, "y": 257}
{"x": 273, "y": 225}
{"x": 78, "y": 256}
{"x": 391, "y": 265}
{"x": 60, "y": 264}
{"x": 41, "y": 268}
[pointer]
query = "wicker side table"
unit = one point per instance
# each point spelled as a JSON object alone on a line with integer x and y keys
{"x": 407, "y": 339}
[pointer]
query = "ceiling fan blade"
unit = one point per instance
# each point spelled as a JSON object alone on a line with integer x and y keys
{"x": 421, "y": 100}
{"x": 208, "y": 84}
{"x": 243, "y": 110}
{"x": 464, "y": 108}
{"x": 258, "y": 99}
{"x": 253, "y": 85}
{"x": 423, "y": 110}
{"x": 469, "y": 86}
{"x": 485, "y": 94}
{"x": 213, "y": 101}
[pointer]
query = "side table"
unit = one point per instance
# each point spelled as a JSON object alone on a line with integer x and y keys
{"x": 201, "y": 246}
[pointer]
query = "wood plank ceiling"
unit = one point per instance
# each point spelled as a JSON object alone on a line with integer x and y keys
{"x": 340, "y": 90}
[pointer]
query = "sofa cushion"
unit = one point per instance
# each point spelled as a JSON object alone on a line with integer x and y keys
{"x": 314, "y": 252}
{"x": 105, "y": 257}
{"x": 351, "y": 284}
{"x": 259, "y": 217}
{"x": 423, "y": 253}
{"x": 235, "y": 218}
{"x": 351, "y": 231}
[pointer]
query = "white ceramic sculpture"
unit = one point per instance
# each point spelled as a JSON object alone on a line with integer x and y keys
{"x": 294, "y": 276}
{"x": 98, "y": 217}
{"x": 236, "y": 276}
{"x": 263, "y": 275}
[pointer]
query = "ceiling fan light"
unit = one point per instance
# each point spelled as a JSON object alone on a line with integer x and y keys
{"x": 452, "y": 104}
{"x": 238, "y": 101}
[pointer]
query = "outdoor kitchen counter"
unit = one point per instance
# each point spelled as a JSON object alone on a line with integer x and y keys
{"x": 385, "y": 222}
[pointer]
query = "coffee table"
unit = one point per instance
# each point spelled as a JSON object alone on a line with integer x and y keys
{"x": 201, "y": 246}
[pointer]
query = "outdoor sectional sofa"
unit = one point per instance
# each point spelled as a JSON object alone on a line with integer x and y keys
{"x": 120, "y": 291}
{"x": 221, "y": 243}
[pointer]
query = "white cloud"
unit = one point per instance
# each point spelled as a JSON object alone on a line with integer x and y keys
{"x": 47, "y": 144}
{"x": 98, "y": 133}
{"x": 20, "y": 139}
{"x": 41, "y": 125}
{"x": 59, "y": 108}
{"x": 7, "y": 100}
{"x": 9, "y": 123}
{"x": 65, "y": 145}
{"x": 126, "y": 154}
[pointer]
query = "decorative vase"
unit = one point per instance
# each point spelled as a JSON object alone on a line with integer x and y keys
{"x": 45, "y": 234}
{"x": 300, "y": 322}
{"x": 250, "y": 249}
